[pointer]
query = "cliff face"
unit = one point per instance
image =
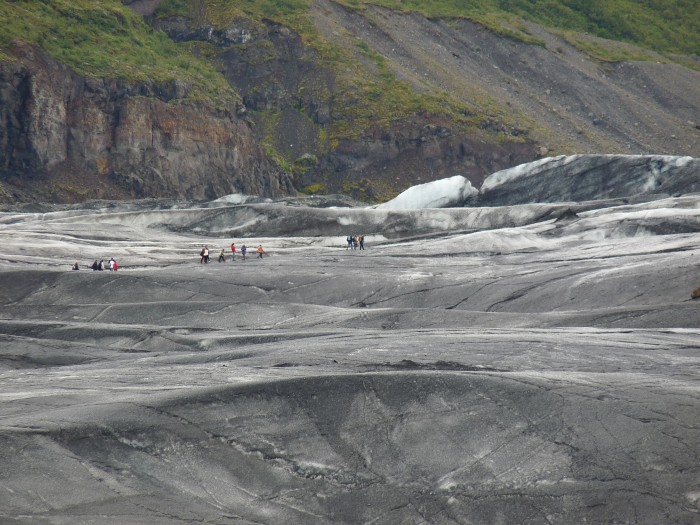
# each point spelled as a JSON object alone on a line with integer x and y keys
{"x": 66, "y": 138}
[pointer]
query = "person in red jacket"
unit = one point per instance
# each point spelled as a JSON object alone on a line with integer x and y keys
{"x": 260, "y": 251}
{"x": 233, "y": 251}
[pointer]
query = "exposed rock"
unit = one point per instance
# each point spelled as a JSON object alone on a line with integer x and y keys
{"x": 410, "y": 151}
{"x": 81, "y": 138}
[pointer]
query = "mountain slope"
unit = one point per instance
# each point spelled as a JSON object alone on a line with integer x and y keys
{"x": 476, "y": 100}
{"x": 358, "y": 97}
{"x": 654, "y": 24}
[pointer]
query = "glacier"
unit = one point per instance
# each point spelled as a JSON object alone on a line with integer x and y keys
{"x": 530, "y": 361}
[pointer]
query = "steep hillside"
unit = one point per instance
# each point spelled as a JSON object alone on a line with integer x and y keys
{"x": 362, "y": 98}
{"x": 366, "y": 99}
{"x": 653, "y": 24}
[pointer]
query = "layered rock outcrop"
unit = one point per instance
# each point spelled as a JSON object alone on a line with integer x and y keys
{"x": 67, "y": 138}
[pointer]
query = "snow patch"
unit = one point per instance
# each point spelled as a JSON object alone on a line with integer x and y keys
{"x": 693, "y": 497}
{"x": 444, "y": 193}
{"x": 236, "y": 198}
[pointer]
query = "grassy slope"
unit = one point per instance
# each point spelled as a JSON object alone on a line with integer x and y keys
{"x": 660, "y": 25}
{"x": 370, "y": 92}
{"x": 666, "y": 26}
{"x": 103, "y": 38}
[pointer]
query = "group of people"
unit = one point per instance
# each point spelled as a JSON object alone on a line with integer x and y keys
{"x": 355, "y": 241}
{"x": 244, "y": 250}
{"x": 101, "y": 265}
{"x": 204, "y": 254}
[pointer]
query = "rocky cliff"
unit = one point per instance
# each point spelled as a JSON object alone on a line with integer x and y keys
{"x": 67, "y": 137}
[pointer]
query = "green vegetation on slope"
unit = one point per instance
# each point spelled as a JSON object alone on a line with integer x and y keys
{"x": 374, "y": 97}
{"x": 659, "y": 25}
{"x": 103, "y": 38}
{"x": 369, "y": 93}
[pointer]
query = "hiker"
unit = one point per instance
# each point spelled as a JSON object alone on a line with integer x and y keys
{"x": 362, "y": 242}
{"x": 354, "y": 242}
{"x": 110, "y": 264}
{"x": 233, "y": 251}
{"x": 101, "y": 265}
{"x": 94, "y": 266}
{"x": 221, "y": 255}
{"x": 204, "y": 255}
{"x": 75, "y": 266}
{"x": 349, "y": 246}
{"x": 243, "y": 250}
{"x": 260, "y": 251}
{"x": 115, "y": 266}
